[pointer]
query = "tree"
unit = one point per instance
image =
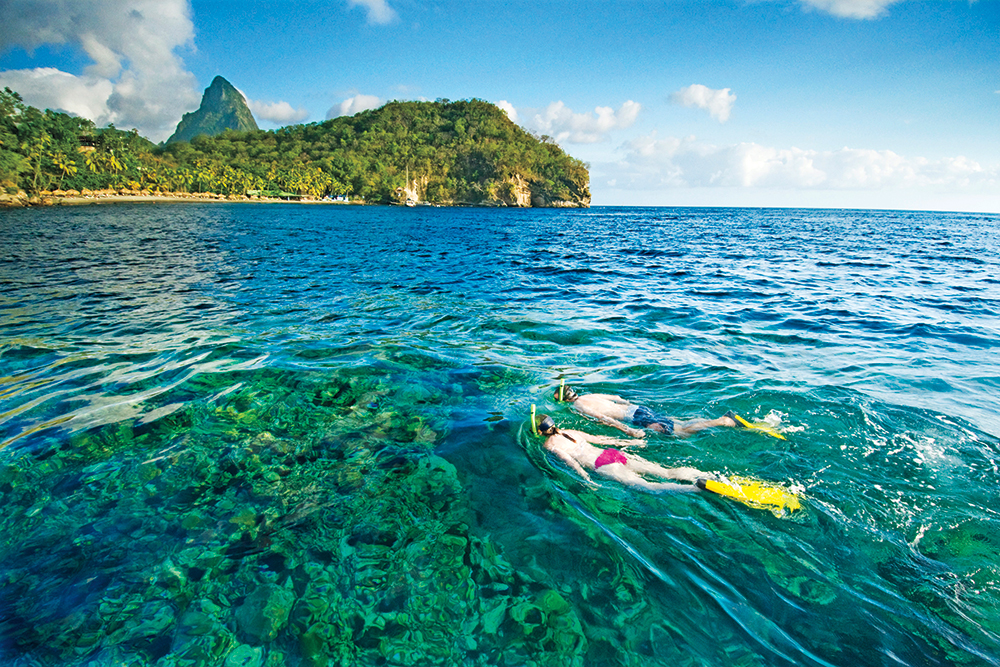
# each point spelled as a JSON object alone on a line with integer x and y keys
{"x": 65, "y": 166}
{"x": 35, "y": 150}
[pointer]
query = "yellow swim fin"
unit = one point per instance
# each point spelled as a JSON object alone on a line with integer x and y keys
{"x": 764, "y": 427}
{"x": 752, "y": 493}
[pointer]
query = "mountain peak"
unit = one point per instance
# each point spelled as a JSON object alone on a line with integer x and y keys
{"x": 222, "y": 108}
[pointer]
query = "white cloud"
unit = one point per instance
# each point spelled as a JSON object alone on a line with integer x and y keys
{"x": 562, "y": 124}
{"x": 135, "y": 78}
{"x": 854, "y": 9}
{"x": 379, "y": 11}
{"x": 511, "y": 112}
{"x": 50, "y": 88}
{"x": 281, "y": 113}
{"x": 354, "y": 105}
{"x": 718, "y": 103}
{"x": 652, "y": 163}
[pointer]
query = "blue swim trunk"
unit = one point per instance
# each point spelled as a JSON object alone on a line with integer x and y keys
{"x": 643, "y": 417}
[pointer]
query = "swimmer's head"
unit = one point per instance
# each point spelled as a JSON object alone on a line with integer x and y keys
{"x": 545, "y": 425}
{"x": 566, "y": 393}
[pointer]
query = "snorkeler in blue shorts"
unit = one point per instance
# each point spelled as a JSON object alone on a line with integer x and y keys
{"x": 643, "y": 417}
{"x": 615, "y": 411}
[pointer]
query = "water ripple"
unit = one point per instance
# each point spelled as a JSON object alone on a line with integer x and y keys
{"x": 269, "y": 385}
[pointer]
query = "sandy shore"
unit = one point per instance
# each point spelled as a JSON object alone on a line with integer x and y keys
{"x": 80, "y": 199}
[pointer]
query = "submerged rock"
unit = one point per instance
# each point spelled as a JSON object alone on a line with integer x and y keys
{"x": 245, "y": 656}
{"x": 264, "y": 613}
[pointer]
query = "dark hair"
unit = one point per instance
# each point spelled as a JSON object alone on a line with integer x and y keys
{"x": 565, "y": 393}
{"x": 544, "y": 424}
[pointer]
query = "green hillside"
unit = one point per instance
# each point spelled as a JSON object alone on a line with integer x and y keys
{"x": 443, "y": 152}
{"x": 464, "y": 152}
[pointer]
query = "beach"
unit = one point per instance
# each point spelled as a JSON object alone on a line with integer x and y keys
{"x": 75, "y": 198}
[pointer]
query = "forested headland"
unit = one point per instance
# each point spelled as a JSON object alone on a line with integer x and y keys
{"x": 443, "y": 152}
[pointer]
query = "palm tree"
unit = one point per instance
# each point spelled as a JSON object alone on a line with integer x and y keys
{"x": 64, "y": 165}
{"x": 35, "y": 150}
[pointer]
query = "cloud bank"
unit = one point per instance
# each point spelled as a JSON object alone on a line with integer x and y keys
{"x": 135, "y": 78}
{"x": 280, "y": 113}
{"x": 50, "y": 88}
{"x": 379, "y": 11}
{"x": 565, "y": 126}
{"x": 651, "y": 163}
{"x": 718, "y": 103}
{"x": 353, "y": 105}
{"x": 854, "y": 9}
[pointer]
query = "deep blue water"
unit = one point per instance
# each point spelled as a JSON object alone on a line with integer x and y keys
{"x": 293, "y": 434}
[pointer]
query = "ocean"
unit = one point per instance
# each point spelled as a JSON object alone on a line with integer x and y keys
{"x": 239, "y": 434}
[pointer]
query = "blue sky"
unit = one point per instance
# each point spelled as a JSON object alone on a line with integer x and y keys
{"x": 828, "y": 103}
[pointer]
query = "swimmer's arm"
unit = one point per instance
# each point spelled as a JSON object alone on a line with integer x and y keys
{"x": 620, "y": 442}
{"x": 624, "y": 428}
{"x": 614, "y": 423}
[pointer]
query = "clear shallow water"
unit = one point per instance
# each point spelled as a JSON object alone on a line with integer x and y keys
{"x": 296, "y": 435}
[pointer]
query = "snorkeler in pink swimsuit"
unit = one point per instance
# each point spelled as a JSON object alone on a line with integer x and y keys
{"x": 610, "y": 456}
{"x": 577, "y": 449}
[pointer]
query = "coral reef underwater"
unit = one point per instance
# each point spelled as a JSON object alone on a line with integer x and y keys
{"x": 300, "y": 518}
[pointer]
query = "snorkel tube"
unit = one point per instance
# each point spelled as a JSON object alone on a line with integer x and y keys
{"x": 534, "y": 429}
{"x": 562, "y": 389}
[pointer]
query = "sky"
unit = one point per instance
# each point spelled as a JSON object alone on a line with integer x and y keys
{"x": 890, "y": 104}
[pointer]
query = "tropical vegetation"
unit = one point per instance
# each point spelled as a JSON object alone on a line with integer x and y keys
{"x": 463, "y": 152}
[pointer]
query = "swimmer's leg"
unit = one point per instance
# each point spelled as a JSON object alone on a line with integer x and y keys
{"x": 695, "y": 425}
{"x": 663, "y": 487}
{"x": 642, "y": 466}
{"x": 620, "y": 473}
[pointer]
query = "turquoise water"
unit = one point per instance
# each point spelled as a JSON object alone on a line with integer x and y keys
{"x": 269, "y": 435}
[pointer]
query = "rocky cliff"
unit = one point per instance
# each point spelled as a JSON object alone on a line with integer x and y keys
{"x": 222, "y": 108}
